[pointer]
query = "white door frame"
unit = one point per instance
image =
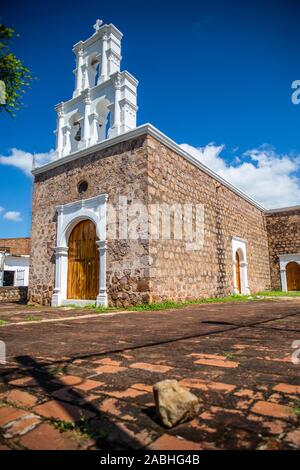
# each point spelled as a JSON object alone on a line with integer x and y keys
{"x": 68, "y": 216}
{"x": 284, "y": 260}
{"x": 239, "y": 245}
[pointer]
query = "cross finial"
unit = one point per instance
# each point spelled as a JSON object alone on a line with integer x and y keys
{"x": 97, "y": 25}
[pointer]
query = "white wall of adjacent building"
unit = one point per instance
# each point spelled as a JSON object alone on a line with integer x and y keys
{"x": 15, "y": 269}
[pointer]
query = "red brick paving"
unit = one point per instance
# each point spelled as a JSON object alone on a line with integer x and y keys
{"x": 61, "y": 411}
{"x": 20, "y": 398}
{"x": 9, "y": 414}
{"x": 46, "y": 437}
{"x": 274, "y": 410}
{"x": 166, "y": 442}
{"x": 21, "y": 426}
{"x": 241, "y": 371}
{"x": 151, "y": 367}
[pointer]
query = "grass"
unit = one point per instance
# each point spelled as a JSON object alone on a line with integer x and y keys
{"x": 33, "y": 318}
{"x": 279, "y": 293}
{"x": 296, "y": 408}
{"x": 103, "y": 309}
{"x": 58, "y": 370}
{"x": 229, "y": 355}
{"x": 83, "y": 429}
{"x": 168, "y": 304}
{"x": 3, "y": 322}
{"x": 171, "y": 304}
{"x": 64, "y": 426}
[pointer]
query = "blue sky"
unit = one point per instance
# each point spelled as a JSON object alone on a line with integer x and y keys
{"x": 214, "y": 75}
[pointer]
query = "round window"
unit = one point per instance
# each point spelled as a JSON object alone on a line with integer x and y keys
{"x": 82, "y": 187}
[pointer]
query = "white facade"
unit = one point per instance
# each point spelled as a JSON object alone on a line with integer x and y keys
{"x": 17, "y": 265}
{"x": 239, "y": 246}
{"x": 104, "y": 102}
{"x": 68, "y": 216}
{"x": 284, "y": 260}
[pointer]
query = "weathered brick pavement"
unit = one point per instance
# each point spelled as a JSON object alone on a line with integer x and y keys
{"x": 98, "y": 372}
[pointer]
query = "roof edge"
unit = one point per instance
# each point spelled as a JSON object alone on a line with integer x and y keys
{"x": 282, "y": 209}
{"x": 154, "y": 132}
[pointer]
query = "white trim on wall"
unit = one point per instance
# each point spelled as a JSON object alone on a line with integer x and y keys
{"x": 284, "y": 260}
{"x": 68, "y": 216}
{"x": 239, "y": 245}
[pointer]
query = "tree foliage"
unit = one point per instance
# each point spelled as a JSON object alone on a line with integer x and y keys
{"x": 13, "y": 73}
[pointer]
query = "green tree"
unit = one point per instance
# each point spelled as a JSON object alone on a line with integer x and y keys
{"x": 13, "y": 74}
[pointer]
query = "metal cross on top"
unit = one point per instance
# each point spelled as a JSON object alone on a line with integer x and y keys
{"x": 97, "y": 25}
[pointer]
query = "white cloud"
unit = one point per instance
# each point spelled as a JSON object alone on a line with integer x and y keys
{"x": 23, "y": 160}
{"x": 1, "y": 209}
{"x": 263, "y": 174}
{"x": 14, "y": 216}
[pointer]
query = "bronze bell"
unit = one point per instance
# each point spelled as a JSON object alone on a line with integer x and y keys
{"x": 78, "y": 133}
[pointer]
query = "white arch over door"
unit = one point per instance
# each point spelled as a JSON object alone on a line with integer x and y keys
{"x": 68, "y": 215}
{"x": 284, "y": 260}
{"x": 239, "y": 245}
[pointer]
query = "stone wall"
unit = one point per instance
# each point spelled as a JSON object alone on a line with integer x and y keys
{"x": 13, "y": 294}
{"x": 120, "y": 170}
{"x": 284, "y": 238}
{"x": 180, "y": 274}
{"x": 16, "y": 246}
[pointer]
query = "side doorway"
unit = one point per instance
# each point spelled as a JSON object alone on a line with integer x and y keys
{"x": 83, "y": 262}
{"x": 293, "y": 276}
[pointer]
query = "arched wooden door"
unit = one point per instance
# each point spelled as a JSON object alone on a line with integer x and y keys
{"x": 293, "y": 276}
{"x": 83, "y": 262}
{"x": 238, "y": 272}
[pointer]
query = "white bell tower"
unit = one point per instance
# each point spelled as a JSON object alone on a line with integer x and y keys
{"x": 104, "y": 102}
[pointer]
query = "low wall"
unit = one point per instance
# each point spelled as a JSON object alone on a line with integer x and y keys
{"x": 13, "y": 294}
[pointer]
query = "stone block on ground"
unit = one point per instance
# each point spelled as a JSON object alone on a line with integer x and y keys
{"x": 173, "y": 403}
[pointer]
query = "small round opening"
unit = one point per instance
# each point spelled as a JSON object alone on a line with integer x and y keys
{"x": 82, "y": 187}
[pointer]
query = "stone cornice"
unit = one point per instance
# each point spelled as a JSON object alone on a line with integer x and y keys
{"x": 283, "y": 209}
{"x": 106, "y": 83}
{"x": 148, "y": 129}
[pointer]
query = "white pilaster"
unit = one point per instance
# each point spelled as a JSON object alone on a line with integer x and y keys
{"x": 60, "y": 123}
{"x": 61, "y": 270}
{"x": 104, "y": 68}
{"x": 244, "y": 274}
{"x": 283, "y": 279}
{"x": 102, "y": 300}
{"x": 235, "y": 288}
{"x": 78, "y": 71}
{"x": 86, "y": 123}
{"x": 66, "y": 131}
{"x": 85, "y": 80}
{"x": 115, "y": 128}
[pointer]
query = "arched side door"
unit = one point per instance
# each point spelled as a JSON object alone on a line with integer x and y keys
{"x": 83, "y": 262}
{"x": 238, "y": 272}
{"x": 293, "y": 276}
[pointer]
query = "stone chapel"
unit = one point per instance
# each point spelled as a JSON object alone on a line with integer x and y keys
{"x": 89, "y": 242}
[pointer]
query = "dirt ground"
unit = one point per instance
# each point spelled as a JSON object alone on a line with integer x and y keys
{"x": 83, "y": 381}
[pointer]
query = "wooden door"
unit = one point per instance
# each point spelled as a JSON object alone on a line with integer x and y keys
{"x": 238, "y": 272}
{"x": 293, "y": 276}
{"x": 83, "y": 262}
